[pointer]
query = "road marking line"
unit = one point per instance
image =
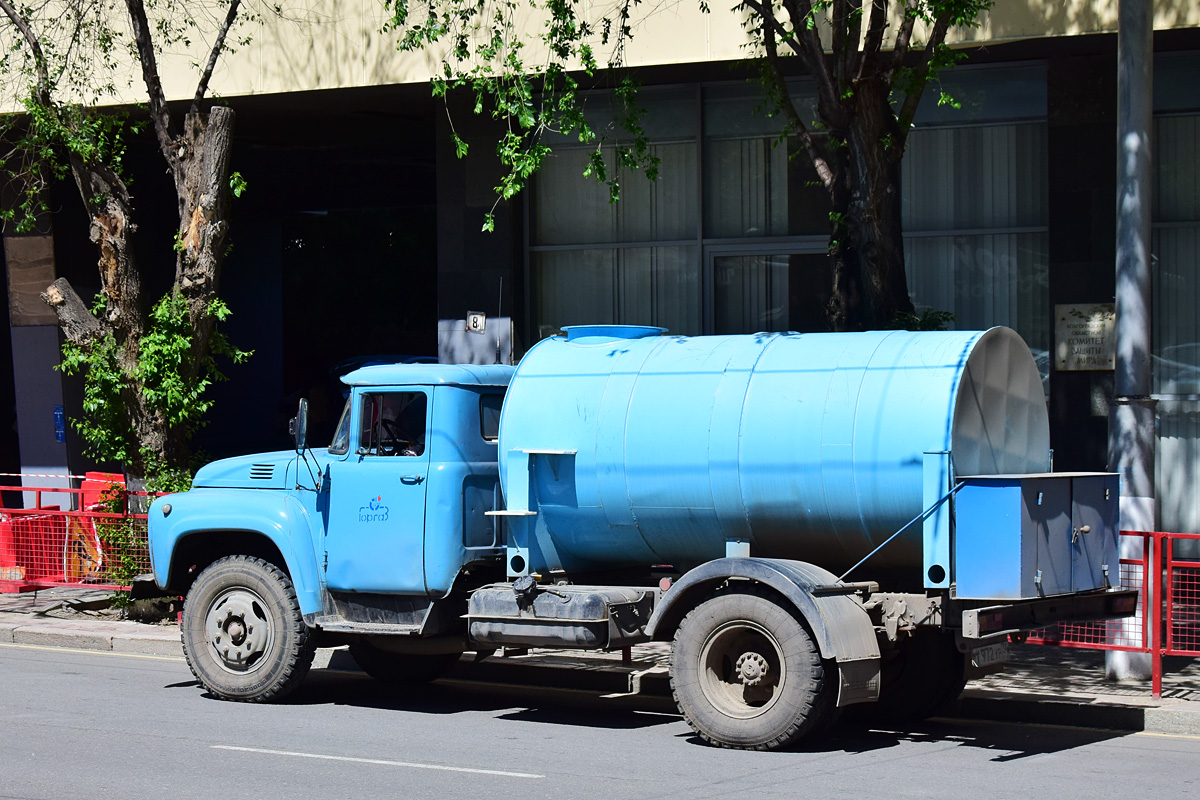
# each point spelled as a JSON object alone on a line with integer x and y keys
{"x": 376, "y": 761}
{"x": 90, "y": 652}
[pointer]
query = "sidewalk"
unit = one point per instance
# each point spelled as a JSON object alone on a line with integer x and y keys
{"x": 1046, "y": 685}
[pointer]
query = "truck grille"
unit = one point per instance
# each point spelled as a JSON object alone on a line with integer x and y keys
{"x": 262, "y": 472}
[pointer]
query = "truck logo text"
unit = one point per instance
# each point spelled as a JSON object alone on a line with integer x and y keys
{"x": 373, "y": 511}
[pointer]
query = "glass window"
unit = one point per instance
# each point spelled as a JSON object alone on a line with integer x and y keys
{"x": 392, "y": 424}
{"x": 669, "y": 112}
{"x": 489, "y": 416}
{"x": 651, "y": 276}
{"x": 975, "y": 212}
{"x": 985, "y": 94}
{"x": 975, "y": 204}
{"x": 341, "y": 436}
{"x": 771, "y": 292}
{"x": 1176, "y": 326}
{"x": 633, "y": 285}
{"x": 754, "y": 184}
{"x": 1175, "y": 85}
{"x": 660, "y": 210}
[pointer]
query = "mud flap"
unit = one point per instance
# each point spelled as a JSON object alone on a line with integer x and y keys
{"x": 858, "y": 681}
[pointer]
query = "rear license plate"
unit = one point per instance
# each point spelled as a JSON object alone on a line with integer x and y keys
{"x": 989, "y": 654}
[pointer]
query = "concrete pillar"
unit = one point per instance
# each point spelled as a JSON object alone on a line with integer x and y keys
{"x": 1131, "y": 417}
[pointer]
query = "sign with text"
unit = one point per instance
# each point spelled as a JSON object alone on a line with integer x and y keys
{"x": 1085, "y": 336}
{"x": 476, "y": 322}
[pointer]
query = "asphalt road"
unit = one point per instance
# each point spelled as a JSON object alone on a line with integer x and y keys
{"x": 77, "y": 724}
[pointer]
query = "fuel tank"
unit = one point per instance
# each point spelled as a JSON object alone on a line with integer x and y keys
{"x": 647, "y": 449}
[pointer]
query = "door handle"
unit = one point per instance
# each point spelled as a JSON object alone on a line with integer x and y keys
{"x": 412, "y": 480}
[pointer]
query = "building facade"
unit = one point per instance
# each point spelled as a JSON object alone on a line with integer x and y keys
{"x": 360, "y": 234}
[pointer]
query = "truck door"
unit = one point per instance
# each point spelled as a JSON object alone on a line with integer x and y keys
{"x": 374, "y": 540}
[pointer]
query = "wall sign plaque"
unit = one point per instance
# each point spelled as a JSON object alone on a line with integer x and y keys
{"x": 1085, "y": 336}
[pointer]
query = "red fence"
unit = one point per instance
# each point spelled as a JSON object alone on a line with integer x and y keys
{"x": 1166, "y": 624}
{"x": 71, "y": 536}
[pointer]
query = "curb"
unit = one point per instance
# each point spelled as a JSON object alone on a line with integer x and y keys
{"x": 1072, "y": 714}
{"x": 1177, "y": 718}
{"x": 110, "y": 636}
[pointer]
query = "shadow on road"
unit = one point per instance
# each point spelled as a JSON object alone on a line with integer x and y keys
{"x": 1009, "y": 741}
{"x": 518, "y": 703}
{"x": 524, "y": 704}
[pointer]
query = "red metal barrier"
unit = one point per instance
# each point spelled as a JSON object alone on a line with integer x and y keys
{"x": 1181, "y": 595}
{"x": 92, "y": 542}
{"x": 1167, "y": 625}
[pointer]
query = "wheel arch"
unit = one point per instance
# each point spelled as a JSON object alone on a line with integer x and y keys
{"x": 200, "y": 548}
{"x": 841, "y": 627}
{"x": 274, "y": 527}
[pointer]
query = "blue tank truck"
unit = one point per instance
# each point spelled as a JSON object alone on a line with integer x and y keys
{"x": 814, "y": 521}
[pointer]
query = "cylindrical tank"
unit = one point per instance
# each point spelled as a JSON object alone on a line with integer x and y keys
{"x": 654, "y": 449}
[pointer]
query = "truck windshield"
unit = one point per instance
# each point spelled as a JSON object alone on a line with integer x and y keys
{"x": 341, "y": 436}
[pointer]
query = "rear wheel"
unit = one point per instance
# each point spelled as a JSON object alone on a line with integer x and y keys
{"x": 746, "y": 673}
{"x": 243, "y": 635}
{"x": 401, "y": 668}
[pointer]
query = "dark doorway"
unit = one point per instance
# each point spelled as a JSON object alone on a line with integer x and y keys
{"x": 356, "y": 282}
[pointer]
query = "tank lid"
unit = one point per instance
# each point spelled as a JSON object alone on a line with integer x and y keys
{"x": 596, "y": 334}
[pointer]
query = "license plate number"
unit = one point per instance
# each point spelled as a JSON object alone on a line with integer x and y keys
{"x": 989, "y": 654}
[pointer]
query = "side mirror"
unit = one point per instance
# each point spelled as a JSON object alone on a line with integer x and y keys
{"x": 298, "y": 426}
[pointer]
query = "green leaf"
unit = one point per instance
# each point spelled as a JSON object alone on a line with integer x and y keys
{"x": 237, "y": 184}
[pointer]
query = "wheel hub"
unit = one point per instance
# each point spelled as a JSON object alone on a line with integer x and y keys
{"x": 742, "y": 669}
{"x": 239, "y": 630}
{"x": 752, "y": 668}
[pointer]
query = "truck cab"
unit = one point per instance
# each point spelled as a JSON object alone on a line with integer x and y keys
{"x": 415, "y": 450}
{"x": 350, "y": 540}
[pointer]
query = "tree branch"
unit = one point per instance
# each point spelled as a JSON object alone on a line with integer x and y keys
{"x": 218, "y": 46}
{"x": 913, "y": 98}
{"x": 819, "y": 162}
{"x": 35, "y": 45}
{"x": 814, "y": 58}
{"x": 154, "y": 90}
{"x": 767, "y": 14}
{"x": 841, "y": 40}
{"x": 904, "y": 37}
{"x": 876, "y": 28}
{"x": 78, "y": 324}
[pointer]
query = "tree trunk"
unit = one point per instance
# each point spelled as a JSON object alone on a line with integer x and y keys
{"x": 201, "y": 171}
{"x": 870, "y": 288}
{"x": 203, "y": 220}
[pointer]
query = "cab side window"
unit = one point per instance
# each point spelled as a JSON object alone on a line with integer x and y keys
{"x": 489, "y": 416}
{"x": 392, "y": 424}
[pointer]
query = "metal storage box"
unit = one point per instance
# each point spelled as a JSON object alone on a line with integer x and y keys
{"x": 1028, "y": 536}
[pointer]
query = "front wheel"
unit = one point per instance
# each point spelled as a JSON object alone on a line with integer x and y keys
{"x": 746, "y": 673}
{"x": 243, "y": 635}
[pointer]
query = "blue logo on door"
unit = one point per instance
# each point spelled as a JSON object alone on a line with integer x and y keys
{"x": 373, "y": 511}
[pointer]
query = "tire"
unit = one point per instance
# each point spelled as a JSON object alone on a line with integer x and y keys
{"x": 401, "y": 669}
{"x": 746, "y": 673}
{"x": 923, "y": 675}
{"x": 243, "y": 635}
